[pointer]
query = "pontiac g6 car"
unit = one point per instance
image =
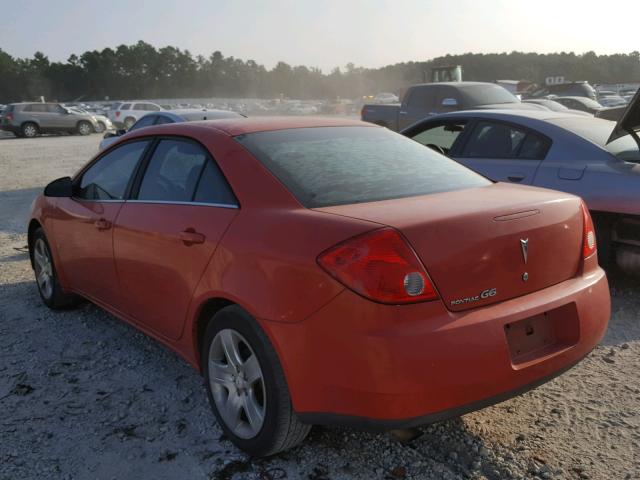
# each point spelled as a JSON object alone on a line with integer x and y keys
{"x": 324, "y": 271}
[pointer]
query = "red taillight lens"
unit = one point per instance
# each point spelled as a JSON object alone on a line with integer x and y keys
{"x": 589, "y": 246}
{"x": 9, "y": 117}
{"x": 381, "y": 266}
{"x": 117, "y": 113}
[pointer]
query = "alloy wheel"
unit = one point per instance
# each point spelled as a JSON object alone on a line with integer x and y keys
{"x": 237, "y": 383}
{"x": 43, "y": 268}
{"x": 84, "y": 128}
{"x": 30, "y": 131}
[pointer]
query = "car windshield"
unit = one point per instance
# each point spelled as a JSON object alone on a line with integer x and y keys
{"x": 598, "y": 131}
{"x": 326, "y": 166}
{"x": 487, "y": 95}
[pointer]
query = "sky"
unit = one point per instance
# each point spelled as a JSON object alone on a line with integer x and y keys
{"x": 321, "y": 33}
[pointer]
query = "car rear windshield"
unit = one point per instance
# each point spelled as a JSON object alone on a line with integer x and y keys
{"x": 327, "y": 166}
{"x": 487, "y": 95}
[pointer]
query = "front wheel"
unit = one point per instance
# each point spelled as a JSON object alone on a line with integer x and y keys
{"x": 101, "y": 127}
{"x": 246, "y": 386}
{"x": 46, "y": 278}
{"x": 85, "y": 128}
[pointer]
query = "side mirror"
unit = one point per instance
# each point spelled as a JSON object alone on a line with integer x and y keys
{"x": 449, "y": 102}
{"x": 62, "y": 187}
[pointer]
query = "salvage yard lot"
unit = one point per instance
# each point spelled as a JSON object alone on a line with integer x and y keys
{"x": 82, "y": 395}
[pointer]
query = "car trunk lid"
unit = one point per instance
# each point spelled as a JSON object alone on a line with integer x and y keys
{"x": 629, "y": 123}
{"x": 487, "y": 244}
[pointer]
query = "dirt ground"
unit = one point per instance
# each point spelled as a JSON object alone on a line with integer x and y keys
{"x": 85, "y": 396}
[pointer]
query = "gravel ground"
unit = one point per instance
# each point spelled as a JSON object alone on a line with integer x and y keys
{"x": 83, "y": 395}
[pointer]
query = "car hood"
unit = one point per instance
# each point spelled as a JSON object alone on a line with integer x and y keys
{"x": 510, "y": 106}
{"x": 630, "y": 120}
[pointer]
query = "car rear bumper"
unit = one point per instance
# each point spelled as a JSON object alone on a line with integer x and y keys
{"x": 377, "y": 366}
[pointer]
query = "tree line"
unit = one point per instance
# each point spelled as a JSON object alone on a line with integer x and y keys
{"x": 143, "y": 71}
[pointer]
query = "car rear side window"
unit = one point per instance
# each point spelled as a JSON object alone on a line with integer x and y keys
{"x": 173, "y": 172}
{"x": 145, "y": 121}
{"x": 213, "y": 187}
{"x": 326, "y": 166}
{"x": 125, "y": 106}
{"x": 108, "y": 177}
{"x": 501, "y": 140}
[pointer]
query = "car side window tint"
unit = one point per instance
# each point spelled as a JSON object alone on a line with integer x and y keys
{"x": 108, "y": 177}
{"x": 27, "y": 108}
{"x": 162, "y": 119}
{"x": 442, "y": 136}
{"x": 125, "y": 106}
{"x": 534, "y": 147}
{"x": 139, "y": 106}
{"x": 173, "y": 172}
{"x": 422, "y": 97}
{"x": 55, "y": 108}
{"x": 493, "y": 140}
{"x": 213, "y": 187}
{"x": 38, "y": 108}
{"x": 152, "y": 108}
{"x": 145, "y": 121}
{"x": 500, "y": 140}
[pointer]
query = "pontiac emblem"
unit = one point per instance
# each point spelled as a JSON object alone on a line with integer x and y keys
{"x": 524, "y": 245}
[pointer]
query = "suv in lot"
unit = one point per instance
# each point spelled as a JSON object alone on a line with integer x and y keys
{"x": 128, "y": 113}
{"x": 32, "y": 119}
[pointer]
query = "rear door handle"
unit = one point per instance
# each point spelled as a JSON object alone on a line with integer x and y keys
{"x": 515, "y": 177}
{"x": 191, "y": 237}
{"x": 102, "y": 224}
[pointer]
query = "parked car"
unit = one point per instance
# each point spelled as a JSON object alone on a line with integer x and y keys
{"x": 579, "y": 103}
{"x": 31, "y": 119}
{"x": 421, "y": 101}
{"x": 386, "y": 98}
{"x": 576, "y": 89}
{"x": 559, "y": 151}
{"x": 612, "y": 101}
{"x": 168, "y": 116}
{"x": 102, "y": 122}
{"x": 324, "y": 271}
{"x": 555, "y": 106}
{"x": 124, "y": 115}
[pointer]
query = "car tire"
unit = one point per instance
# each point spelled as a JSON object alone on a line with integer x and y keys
{"x": 101, "y": 127}
{"x": 84, "y": 128}
{"x": 46, "y": 276}
{"x": 29, "y": 130}
{"x": 233, "y": 346}
{"x": 128, "y": 122}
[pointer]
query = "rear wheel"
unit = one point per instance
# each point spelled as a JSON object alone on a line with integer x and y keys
{"x": 30, "y": 130}
{"x": 85, "y": 128}
{"x": 246, "y": 386}
{"x": 46, "y": 277}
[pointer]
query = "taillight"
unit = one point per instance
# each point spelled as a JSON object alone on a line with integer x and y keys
{"x": 589, "y": 246}
{"x": 9, "y": 116}
{"x": 381, "y": 266}
{"x": 117, "y": 113}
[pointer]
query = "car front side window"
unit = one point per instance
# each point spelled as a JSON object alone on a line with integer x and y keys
{"x": 145, "y": 121}
{"x": 441, "y": 136}
{"x": 109, "y": 176}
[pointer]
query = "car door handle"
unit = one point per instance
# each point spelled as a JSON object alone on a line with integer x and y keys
{"x": 190, "y": 237}
{"x": 515, "y": 177}
{"x": 102, "y": 224}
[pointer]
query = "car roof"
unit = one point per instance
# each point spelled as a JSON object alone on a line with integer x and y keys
{"x": 515, "y": 113}
{"x": 240, "y": 125}
{"x": 456, "y": 84}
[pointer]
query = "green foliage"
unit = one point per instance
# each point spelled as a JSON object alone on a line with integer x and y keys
{"x": 142, "y": 71}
